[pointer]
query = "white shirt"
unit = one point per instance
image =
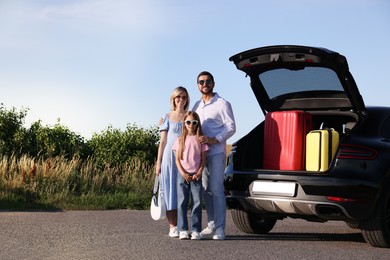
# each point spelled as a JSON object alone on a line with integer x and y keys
{"x": 217, "y": 119}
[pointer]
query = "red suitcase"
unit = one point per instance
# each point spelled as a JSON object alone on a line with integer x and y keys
{"x": 285, "y": 139}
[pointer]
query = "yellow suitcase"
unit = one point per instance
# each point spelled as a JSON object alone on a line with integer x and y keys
{"x": 321, "y": 147}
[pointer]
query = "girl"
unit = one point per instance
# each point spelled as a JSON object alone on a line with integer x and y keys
{"x": 170, "y": 130}
{"x": 190, "y": 161}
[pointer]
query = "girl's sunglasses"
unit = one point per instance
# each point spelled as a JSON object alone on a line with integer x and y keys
{"x": 193, "y": 122}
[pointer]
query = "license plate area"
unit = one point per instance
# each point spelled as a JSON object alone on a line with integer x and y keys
{"x": 273, "y": 188}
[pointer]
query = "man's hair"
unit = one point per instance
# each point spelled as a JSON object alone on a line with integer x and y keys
{"x": 205, "y": 73}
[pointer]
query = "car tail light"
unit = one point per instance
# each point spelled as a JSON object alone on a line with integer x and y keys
{"x": 341, "y": 199}
{"x": 350, "y": 151}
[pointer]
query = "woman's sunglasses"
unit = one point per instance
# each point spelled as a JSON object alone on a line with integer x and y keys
{"x": 193, "y": 122}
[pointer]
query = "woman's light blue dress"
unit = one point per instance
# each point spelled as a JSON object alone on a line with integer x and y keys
{"x": 169, "y": 169}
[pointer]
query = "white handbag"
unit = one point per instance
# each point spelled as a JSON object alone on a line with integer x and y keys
{"x": 157, "y": 205}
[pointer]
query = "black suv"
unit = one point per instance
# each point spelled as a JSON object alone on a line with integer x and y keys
{"x": 355, "y": 184}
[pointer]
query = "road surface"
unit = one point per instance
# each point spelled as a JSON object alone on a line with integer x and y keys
{"x": 132, "y": 234}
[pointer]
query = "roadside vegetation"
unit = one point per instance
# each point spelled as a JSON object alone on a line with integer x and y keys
{"x": 53, "y": 168}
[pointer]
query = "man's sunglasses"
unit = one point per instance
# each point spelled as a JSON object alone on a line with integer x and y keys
{"x": 207, "y": 81}
{"x": 194, "y": 122}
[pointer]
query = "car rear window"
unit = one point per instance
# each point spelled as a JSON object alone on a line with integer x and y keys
{"x": 284, "y": 81}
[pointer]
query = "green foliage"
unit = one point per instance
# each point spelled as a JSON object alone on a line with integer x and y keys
{"x": 56, "y": 141}
{"x": 51, "y": 167}
{"x": 38, "y": 140}
{"x": 114, "y": 147}
{"x": 12, "y": 133}
{"x": 110, "y": 147}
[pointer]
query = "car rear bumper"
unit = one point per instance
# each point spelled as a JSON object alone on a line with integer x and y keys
{"x": 320, "y": 200}
{"x": 311, "y": 210}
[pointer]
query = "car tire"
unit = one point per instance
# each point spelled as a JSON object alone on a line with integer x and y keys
{"x": 252, "y": 223}
{"x": 354, "y": 225}
{"x": 376, "y": 229}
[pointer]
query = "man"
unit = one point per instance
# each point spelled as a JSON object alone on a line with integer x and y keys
{"x": 218, "y": 125}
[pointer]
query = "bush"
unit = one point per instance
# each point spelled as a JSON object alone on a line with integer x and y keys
{"x": 55, "y": 141}
{"x": 50, "y": 167}
{"x": 12, "y": 133}
{"x": 111, "y": 147}
{"x": 114, "y": 147}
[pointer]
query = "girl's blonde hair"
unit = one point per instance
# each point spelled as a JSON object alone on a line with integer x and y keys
{"x": 176, "y": 92}
{"x": 182, "y": 138}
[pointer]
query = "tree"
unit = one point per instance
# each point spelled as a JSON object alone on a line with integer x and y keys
{"x": 12, "y": 132}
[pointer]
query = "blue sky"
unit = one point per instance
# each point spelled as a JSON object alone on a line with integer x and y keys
{"x": 95, "y": 63}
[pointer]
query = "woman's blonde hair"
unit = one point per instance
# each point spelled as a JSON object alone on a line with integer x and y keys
{"x": 176, "y": 92}
{"x": 182, "y": 138}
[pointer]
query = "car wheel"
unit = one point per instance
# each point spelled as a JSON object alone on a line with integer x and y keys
{"x": 252, "y": 223}
{"x": 354, "y": 225}
{"x": 376, "y": 229}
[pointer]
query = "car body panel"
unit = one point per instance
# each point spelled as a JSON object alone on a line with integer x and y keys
{"x": 351, "y": 188}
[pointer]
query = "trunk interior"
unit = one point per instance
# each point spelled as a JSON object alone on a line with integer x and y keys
{"x": 249, "y": 151}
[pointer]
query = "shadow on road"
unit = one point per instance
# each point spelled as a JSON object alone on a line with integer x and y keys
{"x": 352, "y": 237}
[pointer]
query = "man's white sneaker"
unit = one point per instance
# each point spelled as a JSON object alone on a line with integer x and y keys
{"x": 173, "y": 232}
{"x": 183, "y": 235}
{"x": 207, "y": 232}
{"x": 195, "y": 235}
{"x": 219, "y": 234}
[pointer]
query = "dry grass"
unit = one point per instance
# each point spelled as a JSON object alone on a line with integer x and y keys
{"x": 27, "y": 183}
{"x": 56, "y": 180}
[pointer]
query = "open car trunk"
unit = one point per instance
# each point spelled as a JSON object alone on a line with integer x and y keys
{"x": 289, "y": 80}
{"x": 250, "y": 152}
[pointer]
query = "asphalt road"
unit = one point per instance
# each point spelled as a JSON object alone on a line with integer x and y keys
{"x": 130, "y": 234}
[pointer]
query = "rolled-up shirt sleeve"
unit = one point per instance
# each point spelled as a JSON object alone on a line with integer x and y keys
{"x": 227, "y": 117}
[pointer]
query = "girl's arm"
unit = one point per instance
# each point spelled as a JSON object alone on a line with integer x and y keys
{"x": 161, "y": 147}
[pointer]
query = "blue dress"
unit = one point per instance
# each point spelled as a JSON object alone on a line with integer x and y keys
{"x": 169, "y": 171}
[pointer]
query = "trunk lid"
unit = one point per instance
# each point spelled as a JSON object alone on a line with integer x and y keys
{"x": 289, "y": 77}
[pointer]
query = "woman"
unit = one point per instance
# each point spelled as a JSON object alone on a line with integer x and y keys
{"x": 170, "y": 130}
